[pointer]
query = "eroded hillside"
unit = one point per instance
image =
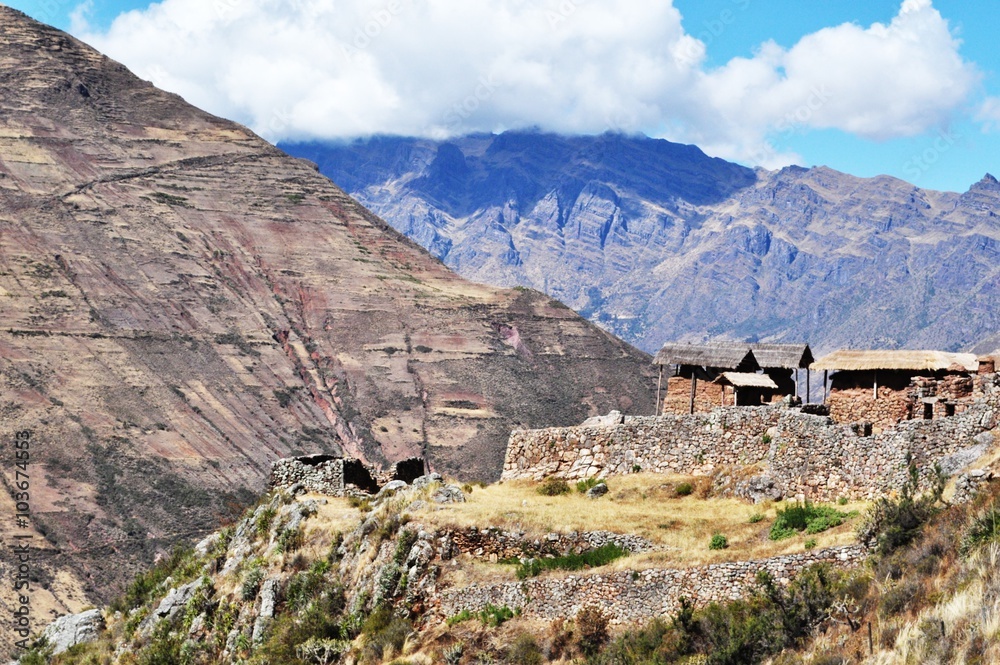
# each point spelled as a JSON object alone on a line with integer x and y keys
{"x": 183, "y": 304}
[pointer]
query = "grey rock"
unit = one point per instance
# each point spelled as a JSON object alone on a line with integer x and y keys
{"x": 392, "y": 486}
{"x": 268, "y": 600}
{"x": 424, "y": 481}
{"x": 173, "y": 604}
{"x": 952, "y": 464}
{"x": 597, "y": 491}
{"x": 205, "y": 545}
{"x": 610, "y": 420}
{"x": 73, "y": 629}
{"x": 449, "y": 494}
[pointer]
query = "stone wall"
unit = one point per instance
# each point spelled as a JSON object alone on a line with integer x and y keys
{"x": 494, "y": 544}
{"x": 633, "y": 597}
{"x": 694, "y": 444}
{"x": 677, "y": 399}
{"x": 853, "y": 405}
{"x": 322, "y": 474}
{"x": 799, "y": 453}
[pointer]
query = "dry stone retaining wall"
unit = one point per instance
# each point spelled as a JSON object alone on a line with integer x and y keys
{"x": 631, "y": 597}
{"x": 495, "y": 544}
{"x": 799, "y": 453}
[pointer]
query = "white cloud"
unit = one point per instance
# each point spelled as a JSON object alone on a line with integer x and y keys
{"x": 326, "y": 68}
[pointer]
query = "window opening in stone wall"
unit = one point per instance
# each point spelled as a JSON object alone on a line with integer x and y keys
{"x": 928, "y": 411}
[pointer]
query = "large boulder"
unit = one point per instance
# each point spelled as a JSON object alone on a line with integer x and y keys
{"x": 73, "y": 629}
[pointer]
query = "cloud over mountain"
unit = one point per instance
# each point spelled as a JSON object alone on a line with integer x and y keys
{"x": 294, "y": 69}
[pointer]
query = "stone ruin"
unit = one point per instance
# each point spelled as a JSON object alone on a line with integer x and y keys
{"x": 340, "y": 476}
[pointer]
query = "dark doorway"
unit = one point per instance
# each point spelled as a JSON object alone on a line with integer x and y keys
{"x": 928, "y": 412}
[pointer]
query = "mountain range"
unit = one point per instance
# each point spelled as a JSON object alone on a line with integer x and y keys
{"x": 656, "y": 241}
{"x": 183, "y": 303}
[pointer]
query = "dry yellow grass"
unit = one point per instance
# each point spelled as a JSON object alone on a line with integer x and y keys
{"x": 640, "y": 504}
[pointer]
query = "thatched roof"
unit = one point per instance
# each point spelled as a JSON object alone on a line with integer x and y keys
{"x": 720, "y": 355}
{"x": 914, "y": 361}
{"x": 785, "y": 356}
{"x": 746, "y": 380}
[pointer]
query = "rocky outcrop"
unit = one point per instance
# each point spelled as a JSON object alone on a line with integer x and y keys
{"x": 676, "y": 245}
{"x": 70, "y": 630}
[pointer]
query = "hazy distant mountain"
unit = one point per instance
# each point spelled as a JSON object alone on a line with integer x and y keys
{"x": 656, "y": 241}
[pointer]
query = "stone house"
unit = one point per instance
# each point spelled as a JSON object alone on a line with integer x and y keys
{"x": 887, "y": 387}
{"x": 697, "y": 378}
{"x": 689, "y": 374}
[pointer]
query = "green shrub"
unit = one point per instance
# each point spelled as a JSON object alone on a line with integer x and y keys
{"x": 262, "y": 523}
{"x": 983, "y": 529}
{"x": 810, "y": 544}
{"x": 718, "y": 542}
{"x": 494, "y": 616}
{"x": 592, "y": 629}
{"x": 842, "y": 501}
{"x": 594, "y": 558}
{"x": 891, "y": 524}
{"x": 384, "y": 633}
{"x": 684, "y": 489}
{"x": 586, "y": 484}
{"x": 289, "y": 540}
{"x": 251, "y": 582}
{"x": 525, "y": 651}
{"x": 756, "y": 517}
{"x": 553, "y": 487}
{"x": 806, "y": 517}
{"x": 464, "y": 615}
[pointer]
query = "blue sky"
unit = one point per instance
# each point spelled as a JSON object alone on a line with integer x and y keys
{"x": 295, "y": 69}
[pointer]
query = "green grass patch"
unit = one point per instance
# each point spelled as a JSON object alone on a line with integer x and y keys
{"x": 806, "y": 517}
{"x": 585, "y": 485}
{"x": 600, "y": 556}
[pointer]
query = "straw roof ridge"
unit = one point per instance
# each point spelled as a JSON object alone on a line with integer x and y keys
{"x": 902, "y": 360}
{"x": 723, "y": 355}
{"x": 785, "y": 356}
{"x": 746, "y": 380}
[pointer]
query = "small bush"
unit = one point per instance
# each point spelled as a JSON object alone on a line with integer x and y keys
{"x": 984, "y": 528}
{"x": 494, "y": 616}
{"x": 684, "y": 489}
{"x": 718, "y": 542}
{"x": 756, "y": 517}
{"x": 262, "y": 524}
{"x": 553, "y": 487}
{"x": 810, "y": 544}
{"x": 842, "y": 501}
{"x": 806, "y": 517}
{"x": 464, "y": 615}
{"x": 251, "y": 582}
{"x": 586, "y": 484}
{"x": 525, "y": 651}
{"x": 384, "y": 634}
{"x": 592, "y": 627}
{"x": 897, "y": 598}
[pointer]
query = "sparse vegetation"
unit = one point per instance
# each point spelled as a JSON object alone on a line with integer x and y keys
{"x": 684, "y": 489}
{"x": 583, "y": 486}
{"x": 718, "y": 542}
